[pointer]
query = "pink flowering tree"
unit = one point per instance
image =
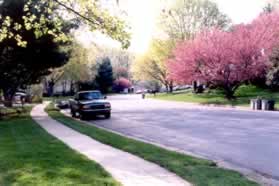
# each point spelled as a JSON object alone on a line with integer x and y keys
{"x": 121, "y": 84}
{"x": 227, "y": 59}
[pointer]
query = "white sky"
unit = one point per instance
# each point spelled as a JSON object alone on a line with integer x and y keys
{"x": 142, "y": 15}
{"x": 241, "y": 10}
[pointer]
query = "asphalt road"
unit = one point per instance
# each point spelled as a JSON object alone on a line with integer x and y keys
{"x": 244, "y": 139}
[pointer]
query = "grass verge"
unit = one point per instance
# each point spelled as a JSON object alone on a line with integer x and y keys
{"x": 197, "y": 171}
{"x": 243, "y": 96}
{"x": 30, "y": 156}
{"x": 54, "y": 99}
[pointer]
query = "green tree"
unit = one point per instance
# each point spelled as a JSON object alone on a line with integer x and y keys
{"x": 32, "y": 34}
{"x": 23, "y": 63}
{"x": 187, "y": 17}
{"x": 51, "y": 80}
{"x": 272, "y": 78}
{"x": 38, "y": 14}
{"x": 121, "y": 61}
{"x": 152, "y": 65}
{"x": 75, "y": 72}
{"x": 104, "y": 78}
{"x": 78, "y": 68}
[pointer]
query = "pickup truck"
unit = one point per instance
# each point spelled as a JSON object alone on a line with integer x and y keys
{"x": 89, "y": 103}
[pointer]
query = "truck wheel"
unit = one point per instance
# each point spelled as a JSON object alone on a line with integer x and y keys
{"x": 74, "y": 114}
{"x": 108, "y": 115}
{"x": 83, "y": 117}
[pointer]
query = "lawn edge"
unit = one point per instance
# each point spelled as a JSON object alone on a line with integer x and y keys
{"x": 210, "y": 105}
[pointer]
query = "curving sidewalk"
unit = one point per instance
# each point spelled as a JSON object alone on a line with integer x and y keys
{"x": 128, "y": 169}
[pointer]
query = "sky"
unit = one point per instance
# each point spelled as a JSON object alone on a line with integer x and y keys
{"x": 241, "y": 10}
{"x": 142, "y": 16}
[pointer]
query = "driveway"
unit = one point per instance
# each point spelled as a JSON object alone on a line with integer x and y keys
{"x": 240, "y": 139}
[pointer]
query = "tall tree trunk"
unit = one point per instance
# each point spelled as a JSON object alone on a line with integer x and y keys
{"x": 64, "y": 87}
{"x": 229, "y": 93}
{"x": 50, "y": 87}
{"x": 171, "y": 86}
{"x": 195, "y": 86}
{"x": 167, "y": 87}
{"x": 72, "y": 88}
{"x": 8, "y": 96}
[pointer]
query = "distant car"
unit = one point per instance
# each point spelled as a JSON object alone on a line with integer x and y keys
{"x": 141, "y": 91}
{"x": 182, "y": 87}
{"x": 19, "y": 97}
{"x": 90, "y": 103}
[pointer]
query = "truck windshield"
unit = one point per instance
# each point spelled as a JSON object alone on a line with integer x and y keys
{"x": 90, "y": 96}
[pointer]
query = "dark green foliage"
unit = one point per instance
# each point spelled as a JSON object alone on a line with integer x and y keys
{"x": 104, "y": 78}
{"x": 272, "y": 78}
{"x": 32, "y": 33}
{"x": 22, "y": 64}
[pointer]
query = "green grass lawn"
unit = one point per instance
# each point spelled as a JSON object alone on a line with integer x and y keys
{"x": 243, "y": 96}
{"x": 197, "y": 171}
{"x": 9, "y": 112}
{"x": 29, "y": 156}
{"x": 54, "y": 99}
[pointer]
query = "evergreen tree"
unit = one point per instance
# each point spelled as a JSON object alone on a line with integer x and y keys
{"x": 104, "y": 77}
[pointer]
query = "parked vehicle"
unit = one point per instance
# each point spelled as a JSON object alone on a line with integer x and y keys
{"x": 20, "y": 97}
{"x": 90, "y": 103}
{"x": 182, "y": 87}
{"x": 141, "y": 91}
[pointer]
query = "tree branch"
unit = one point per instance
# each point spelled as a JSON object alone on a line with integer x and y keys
{"x": 77, "y": 13}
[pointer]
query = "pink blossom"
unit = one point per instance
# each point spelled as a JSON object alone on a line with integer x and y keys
{"x": 227, "y": 58}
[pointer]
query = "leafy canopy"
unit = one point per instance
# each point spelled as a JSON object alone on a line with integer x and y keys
{"x": 185, "y": 18}
{"x": 29, "y": 51}
{"x": 34, "y": 35}
{"x": 152, "y": 65}
{"x": 38, "y": 14}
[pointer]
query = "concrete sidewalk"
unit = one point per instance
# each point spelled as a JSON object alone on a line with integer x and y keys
{"x": 124, "y": 167}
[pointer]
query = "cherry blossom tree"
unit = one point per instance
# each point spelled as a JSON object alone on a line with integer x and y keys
{"x": 227, "y": 59}
{"x": 121, "y": 84}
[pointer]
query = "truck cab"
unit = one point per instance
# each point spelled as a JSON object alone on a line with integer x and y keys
{"x": 90, "y": 103}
